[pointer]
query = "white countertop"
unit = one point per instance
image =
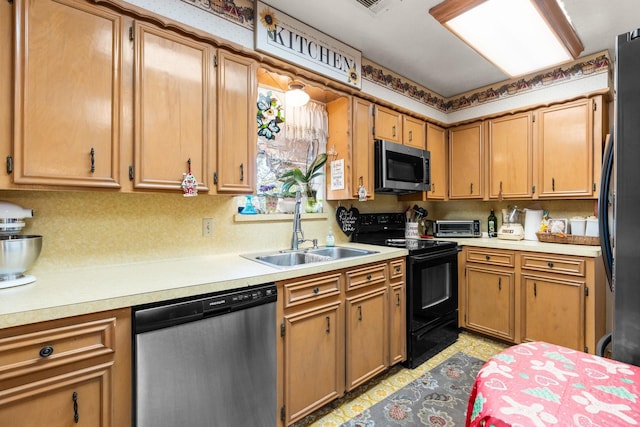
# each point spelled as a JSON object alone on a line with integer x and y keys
{"x": 87, "y": 290}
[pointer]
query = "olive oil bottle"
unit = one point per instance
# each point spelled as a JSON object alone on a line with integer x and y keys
{"x": 492, "y": 225}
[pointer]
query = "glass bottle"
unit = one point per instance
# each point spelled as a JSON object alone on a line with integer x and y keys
{"x": 492, "y": 224}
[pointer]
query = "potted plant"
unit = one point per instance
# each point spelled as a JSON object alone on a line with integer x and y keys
{"x": 303, "y": 180}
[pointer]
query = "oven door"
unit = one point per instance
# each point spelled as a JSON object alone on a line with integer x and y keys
{"x": 432, "y": 286}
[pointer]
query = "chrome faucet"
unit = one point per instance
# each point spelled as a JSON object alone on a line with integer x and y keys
{"x": 298, "y": 234}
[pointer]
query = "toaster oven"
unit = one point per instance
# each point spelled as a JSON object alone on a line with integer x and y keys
{"x": 457, "y": 228}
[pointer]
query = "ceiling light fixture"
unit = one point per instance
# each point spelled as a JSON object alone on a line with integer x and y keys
{"x": 518, "y": 36}
{"x": 296, "y": 96}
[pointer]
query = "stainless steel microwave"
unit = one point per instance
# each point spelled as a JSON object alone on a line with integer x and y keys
{"x": 400, "y": 169}
{"x": 453, "y": 228}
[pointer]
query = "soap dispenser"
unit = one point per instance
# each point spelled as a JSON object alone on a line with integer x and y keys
{"x": 331, "y": 241}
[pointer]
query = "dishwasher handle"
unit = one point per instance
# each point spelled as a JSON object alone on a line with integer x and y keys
{"x": 165, "y": 316}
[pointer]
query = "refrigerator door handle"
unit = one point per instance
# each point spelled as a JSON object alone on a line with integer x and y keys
{"x": 603, "y": 210}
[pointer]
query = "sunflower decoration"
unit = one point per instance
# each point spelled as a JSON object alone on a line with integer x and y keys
{"x": 269, "y": 20}
{"x": 353, "y": 76}
{"x": 269, "y": 115}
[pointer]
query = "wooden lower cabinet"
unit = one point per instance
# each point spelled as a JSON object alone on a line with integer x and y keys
{"x": 334, "y": 334}
{"x": 67, "y": 372}
{"x": 519, "y": 296}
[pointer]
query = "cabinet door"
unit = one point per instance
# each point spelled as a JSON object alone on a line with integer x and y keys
{"x": 490, "y": 301}
{"x": 553, "y": 311}
{"x": 510, "y": 149}
{"x": 437, "y": 146}
{"x": 413, "y": 132}
{"x": 466, "y": 154}
{"x": 366, "y": 336}
{"x": 363, "y": 155}
{"x": 173, "y": 88}
{"x": 388, "y": 125}
{"x": 79, "y": 398}
{"x": 313, "y": 355}
{"x": 237, "y": 97}
{"x": 565, "y": 150}
{"x": 67, "y": 94}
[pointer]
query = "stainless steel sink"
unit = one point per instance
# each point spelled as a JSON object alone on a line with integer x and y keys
{"x": 286, "y": 258}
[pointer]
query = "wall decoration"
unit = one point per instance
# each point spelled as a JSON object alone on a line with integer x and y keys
{"x": 269, "y": 115}
{"x": 282, "y": 36}
{"x": 347, "y": 219}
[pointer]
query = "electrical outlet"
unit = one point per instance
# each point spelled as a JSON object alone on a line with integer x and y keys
{"x": 207, "y": 227}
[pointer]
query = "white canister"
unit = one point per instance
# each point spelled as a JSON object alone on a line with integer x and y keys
{"x": 577, "y": 226}
{"x": 592, "y": 228}
{"x": 532, "y": 220}
{"x": 411, "y": 230}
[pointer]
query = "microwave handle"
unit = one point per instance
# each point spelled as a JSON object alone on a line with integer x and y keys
{"x": 425, "y": 171}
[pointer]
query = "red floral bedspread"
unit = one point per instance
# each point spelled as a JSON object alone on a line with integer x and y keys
{"x": 541, "y": 384}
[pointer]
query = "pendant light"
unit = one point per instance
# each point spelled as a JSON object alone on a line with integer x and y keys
{"x": 296, "y": 96}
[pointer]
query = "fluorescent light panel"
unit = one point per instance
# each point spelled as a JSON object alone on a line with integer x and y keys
{"x": 515, "y": 35}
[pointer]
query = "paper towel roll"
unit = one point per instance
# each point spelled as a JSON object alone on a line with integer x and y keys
{"x": 532, "y": 220}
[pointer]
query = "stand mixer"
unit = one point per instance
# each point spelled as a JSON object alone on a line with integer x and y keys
{"x": 511, "y": 228}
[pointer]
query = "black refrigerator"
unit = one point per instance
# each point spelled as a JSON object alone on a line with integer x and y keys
{"x": 619, "y": 206}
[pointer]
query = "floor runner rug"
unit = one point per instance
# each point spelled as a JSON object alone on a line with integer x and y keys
{"x": 436, "y": 399}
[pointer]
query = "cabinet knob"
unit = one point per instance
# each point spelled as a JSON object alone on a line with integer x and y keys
{"x": 398, "y": 269}
{"x": 46, "y": 351}
{"x": 487, "y": 257}
{"x": 316, "y": 290}
{"x": 550, "y": 264}
{"x": 368, "y": 277}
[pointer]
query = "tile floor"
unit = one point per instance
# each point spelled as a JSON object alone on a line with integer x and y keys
{"x": 354, "y": 402}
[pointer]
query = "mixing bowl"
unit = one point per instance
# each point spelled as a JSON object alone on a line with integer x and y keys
{"x": 18, "y": 254}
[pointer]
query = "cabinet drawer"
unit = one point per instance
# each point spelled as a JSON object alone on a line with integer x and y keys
{"x": 370, "y": 275}
{"x": 396, "y": 270}
{"x": 302, "y": 291}
{"x": 493, "y": 257}
{"x": 31, "y": 352}
{"x": 554, "y": 264}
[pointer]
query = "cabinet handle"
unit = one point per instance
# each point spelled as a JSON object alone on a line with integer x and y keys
{"x": 398, "y": 269}
{"x": 46, "y": 351}
{"x": 328, "y": 330}
{"x": 472, "y": 188}
{"x": 9, "y": 165}
{"x": 499, "y": 283}
{"x": 93, "y": 159}
{"x": 393, "y": 131}
{"x": 398, "y": 300}
{"x": 316, "y": 290}
{"x": 500, "y": 192}
{"x": 241, "y": 171}
{"x": 368, "y": 277}
{"x": 550, "y": 264}
{"x": 535, "y": 289}
{"x": 553, "y": 184}
{"x": 433, "y": 187}
{"x": 487, "y": 257}
{"x": 410, "y": 135}
{"x": 76, "y": 416}
{"x": 361, "y": 180}
{"x": 359, "y": 312}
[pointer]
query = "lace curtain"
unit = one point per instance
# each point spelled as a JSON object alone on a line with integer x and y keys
{"x": 302, "y": 135}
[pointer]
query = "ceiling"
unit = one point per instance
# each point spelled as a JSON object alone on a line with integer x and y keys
{"x": 404, "y": 38}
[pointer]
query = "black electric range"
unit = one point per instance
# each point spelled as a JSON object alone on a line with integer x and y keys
{"x": 387, "y": 229}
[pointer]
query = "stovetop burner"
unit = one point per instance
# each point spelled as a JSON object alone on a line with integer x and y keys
{"x": 387, "y": 229}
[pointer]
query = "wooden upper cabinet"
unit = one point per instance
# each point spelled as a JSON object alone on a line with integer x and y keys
{"x": 67, "y": 102}
{"x": 363, "y": 150}
{"x": 388, "y": 124}
{"x": 566, "y": 149}
{"x": 237, "y": 129}
{"x": 173, "y": 89}
{"x": 437, "y": 147}
{"x": 414, "y": 132}
{"x": 466, "y": 172}
{"x": 510, "y": 156}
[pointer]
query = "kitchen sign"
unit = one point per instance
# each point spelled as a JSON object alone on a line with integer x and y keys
{"x": 280, "y": 35}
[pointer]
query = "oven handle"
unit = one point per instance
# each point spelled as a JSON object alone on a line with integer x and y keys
{"x": 427, "y": 257}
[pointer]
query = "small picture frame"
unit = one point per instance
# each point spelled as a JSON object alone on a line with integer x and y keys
{"x": 556, "y": 225}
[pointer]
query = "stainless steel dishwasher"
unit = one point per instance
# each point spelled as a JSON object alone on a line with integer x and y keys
{"x": 206, "y": 361}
